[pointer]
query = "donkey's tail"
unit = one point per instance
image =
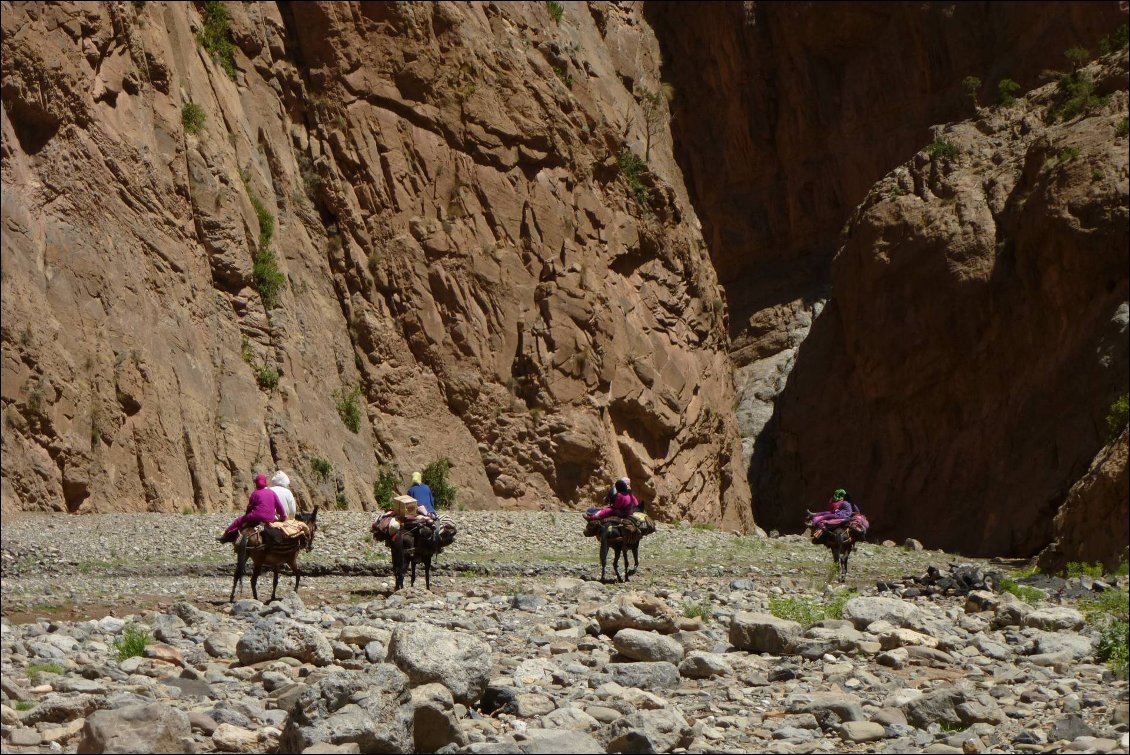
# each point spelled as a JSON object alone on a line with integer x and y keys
{"x": 240, "y": 567}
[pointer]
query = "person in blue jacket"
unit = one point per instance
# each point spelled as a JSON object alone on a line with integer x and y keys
{"x": 422, "y": 493}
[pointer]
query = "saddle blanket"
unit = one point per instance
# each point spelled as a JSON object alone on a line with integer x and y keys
{"x": 291, "y": 528}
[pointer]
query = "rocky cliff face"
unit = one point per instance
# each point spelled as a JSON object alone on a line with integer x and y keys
{"x": 420, "y": 219}
{"x": 787, "y": 113}
{"x": 1089, "y": 527}
{"x": 959, "y": 378}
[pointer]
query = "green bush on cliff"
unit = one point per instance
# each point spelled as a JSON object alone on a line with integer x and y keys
{"x": 1006, "y": 92}
{"x": 1077, "y": 93}
{"x": 632, "y": 169}
{"x": 388, "y": 482}
{"x": 215, "y": 37}
{"x": 942, "y": 148}
{"x": 1116, "y": 42}
{"x": 349, "y": 407}
{"x": 192, "y": 117}
{"x": 1117, "y": 418}
{"x": 556, "y": 10}
{"x": 435, "y": 477}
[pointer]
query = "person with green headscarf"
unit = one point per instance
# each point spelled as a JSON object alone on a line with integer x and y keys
{"x": 422, "y": 493}
{"x": 839, "y": 511}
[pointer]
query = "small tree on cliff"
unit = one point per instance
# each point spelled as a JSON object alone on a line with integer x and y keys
{"x": 971, "y": 85}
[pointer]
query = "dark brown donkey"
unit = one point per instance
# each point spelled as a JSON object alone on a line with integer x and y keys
{"x": 620, "y": 535}
{"x": 274, "y": 553}
{"x": 840, "y": 540}
{"x": 412, "y": 545}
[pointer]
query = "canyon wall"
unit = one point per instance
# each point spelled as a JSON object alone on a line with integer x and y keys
{"x": 387, "y": 233}
{"x": 976, "y": 335}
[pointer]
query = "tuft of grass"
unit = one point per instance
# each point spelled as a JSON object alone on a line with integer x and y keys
{"x": 267, "y": 377}
{"x": 321, "y": 468}
{"x": 215, "y": 37}
{"x": 942, "y": 148}
{"x": 24, "y": 705}
{"x": 1122, "y": 127}
{"x": 1116, "y": 419}
{"x": 564, "y": 76}
{"x": 349, "y": 407}
{"x": 132, "y": 642}
{"x": 192, "y": 117}
{"x": 834, "y": 606}
{"x": 435, "y": 477}
{"x": 342, "y": 502}
{"x": 632, "y": 169}
{"x": 804, "y": 610}
{"x": 1028, "y": 594}
{"x": 556, "y": 10}
{"x": 36, "y": 671}
{"x": 701, "y": 609}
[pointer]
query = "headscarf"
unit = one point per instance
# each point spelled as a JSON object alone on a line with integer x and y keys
{"x": 417, "y": 478}
{"x": 260, "y": 481}
{"x": 839, "y": 494}
{"x": 621, "y": 486}
{"x": 280, "y": 479}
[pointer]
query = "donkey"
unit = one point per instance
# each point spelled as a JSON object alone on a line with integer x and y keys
{"x": 840, "y": 540}
{"x": 412, "y": 546}
{"x": 274, "y": 553}
{"x": 623, "y": 537}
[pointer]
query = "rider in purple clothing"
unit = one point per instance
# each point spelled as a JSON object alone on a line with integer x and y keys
{"x": 263, "y": 506}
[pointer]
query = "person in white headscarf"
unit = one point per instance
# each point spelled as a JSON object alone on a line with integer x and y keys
{"x": 280, "y": 483}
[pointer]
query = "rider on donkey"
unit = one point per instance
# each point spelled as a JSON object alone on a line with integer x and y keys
{"x": 262, "y": 507}
{"x": 839, "y": 512}
{"x": 622, "y": 504}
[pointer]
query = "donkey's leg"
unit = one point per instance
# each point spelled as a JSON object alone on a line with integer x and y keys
{"x": 603, "y": 557}
{"x": 619, "y": 548}
{"x": 428, "y": 573}
{"x": 275, "y": 582}
{"x": 255, "y": 569}
{"x": 294, "y": 568}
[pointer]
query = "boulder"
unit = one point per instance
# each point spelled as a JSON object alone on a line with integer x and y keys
{"x": 137, "y": 728}
{"x": 700, "y": 665}
{"x": 864, "y": 611}
{"x": 276, "y": 637}
{"x": 647, "y": 731}
{"x": 643, "y": 675}
{"x": 647, "y": 646}
{"x": 763, "y": 633}
{"x": 372, "y": 710}
{"x": 458, "y": 660}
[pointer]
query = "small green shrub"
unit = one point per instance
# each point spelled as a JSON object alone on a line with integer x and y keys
{"x": 23, "y": 705}
{"x": 215, "y": 37}
{"x": 1116, "y": 42}
{"x": 1117, "y": 417}
{"x": 132, "y": 642}
{"x": 349, "y": 407}
{"x": 706, "y": 526}
{"x": 1024, "y": 592}
{"x": 1097, "y": 175}
{"x": 556, "y": 10}
{"x": 1077, "y": 56}
{"x": 942, "y": 148}
{"x": 632, "y": 169}
{"x": 834, "y": 607}
{"x": 971, "y": 85}
{"x": 265, "y": 218}
{"x": 192, "y": 117}
{"x": 269, "y": 280}
{"x": 1077, "y": 93}
{"x": 267, "y": 377}
{"x": 701, "y": 609}
{"x": 1109, "y": 614}
{"x": 564, "y": 76}
{"x": 321, "y": 468}
{"x": 342, "y": 502}
{"x": 1006, "y": 92}
{"x": 388, "y": 482}
{"x": 1068, "y": 154}
{"x": 435, "y": 477}
{"x": 1122, "y": 127}
{"x": 1079, "y": 569}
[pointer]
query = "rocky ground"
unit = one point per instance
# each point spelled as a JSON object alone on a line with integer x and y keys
{"x": 520, "y": 648}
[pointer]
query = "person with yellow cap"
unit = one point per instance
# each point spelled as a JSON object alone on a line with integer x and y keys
{"x": 422, "y": 493}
